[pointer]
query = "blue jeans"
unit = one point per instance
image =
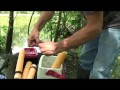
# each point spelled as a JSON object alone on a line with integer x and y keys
{"x": 2, "y": 76}
{"x": 99, "y": 55}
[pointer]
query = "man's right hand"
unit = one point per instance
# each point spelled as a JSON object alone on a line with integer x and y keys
{"x": 33, "y": 38}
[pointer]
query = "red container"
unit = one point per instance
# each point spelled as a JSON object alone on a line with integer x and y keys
{"x": 30, "y": 53}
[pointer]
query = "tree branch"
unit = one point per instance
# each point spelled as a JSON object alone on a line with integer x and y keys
{"x": 30, "y": 22}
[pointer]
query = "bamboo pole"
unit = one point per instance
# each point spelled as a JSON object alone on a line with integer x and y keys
{"x": 32, "y": 72}
{"x": 20, "y": 63}
{"x": 26, "y": 69}
{"x": 59, "y": 59}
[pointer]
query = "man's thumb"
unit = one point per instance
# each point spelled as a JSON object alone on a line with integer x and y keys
{"x": 37, "y": 40}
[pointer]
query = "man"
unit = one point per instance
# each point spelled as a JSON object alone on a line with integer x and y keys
{"x": 100, "y": 36}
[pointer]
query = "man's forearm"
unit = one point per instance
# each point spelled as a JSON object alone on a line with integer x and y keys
{"x": 80, "y": 37}
{"x": 91, "y": 30}
{"x": 43, "y": 19}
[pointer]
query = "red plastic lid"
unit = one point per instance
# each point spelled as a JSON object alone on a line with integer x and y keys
{"x": 30, "y": 53}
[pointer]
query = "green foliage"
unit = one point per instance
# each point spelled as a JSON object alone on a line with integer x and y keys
{"x": 116, "y": 69}
{"x": 2, "y": 44}
{"x": 71, "y": 21}
{"x": 3, "y": 33}
{"x": 21, "y": 28}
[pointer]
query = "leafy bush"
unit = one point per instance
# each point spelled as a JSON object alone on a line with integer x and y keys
{"x": 2, "y": 43}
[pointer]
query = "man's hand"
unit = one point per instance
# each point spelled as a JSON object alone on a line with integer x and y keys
{"x": 33, "y": 38}
{"x": 50, "y": 48}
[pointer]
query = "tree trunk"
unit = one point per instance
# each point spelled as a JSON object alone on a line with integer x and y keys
{"x": 57, "y": 34}
{"x": 10, "y": 32}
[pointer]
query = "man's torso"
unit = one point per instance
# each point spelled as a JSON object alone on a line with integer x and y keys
{"x": 110, "y": 18}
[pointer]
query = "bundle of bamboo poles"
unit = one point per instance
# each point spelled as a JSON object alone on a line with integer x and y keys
{"x": 27, "y": 72}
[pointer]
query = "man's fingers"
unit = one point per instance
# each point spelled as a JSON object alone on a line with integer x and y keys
{"x": 41, "y": 41}
{"x": 43, "y": 50}
{"x": 41, "y": 45}
{"x": 32, "y": 43}
{"x": 37, "y": 40}
{"x": 48, "y": 53}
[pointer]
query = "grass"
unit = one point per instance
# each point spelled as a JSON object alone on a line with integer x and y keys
{"x": 20, "y": 23}
{"x": 20, "y": 33}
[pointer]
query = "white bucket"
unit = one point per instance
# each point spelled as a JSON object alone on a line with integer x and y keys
{"x": 44, "y": 66}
